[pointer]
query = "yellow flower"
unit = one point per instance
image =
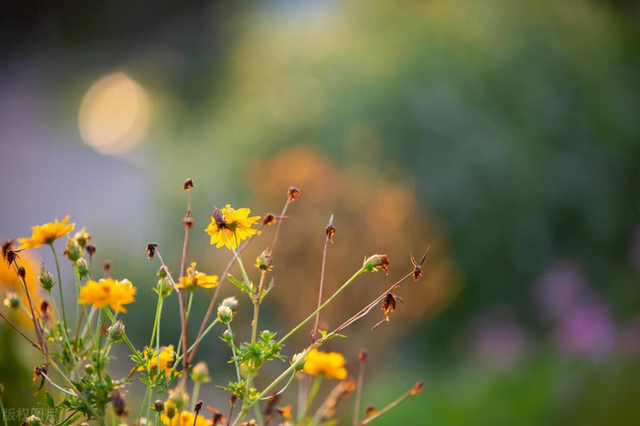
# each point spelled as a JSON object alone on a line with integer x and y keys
{"x": 10, "y": 282}
{"x": 197, "y": 279}
{"x": 327, "y": 364}
{"x": 47, "y": 233}
{"x": 107, "y": 292}
{"x": 185, "y": 418}
{"x": 167, "y": 356}
{"x": 229, "y": 226}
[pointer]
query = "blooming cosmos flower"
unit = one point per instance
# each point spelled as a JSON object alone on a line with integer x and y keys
{"x": 185, "y": 418}
{"x": 197, "y": 279}
{"x": 47, "y": 233}
{"x": 327, "y": 364}
{"x": 230, "y": 226}
{"x": 107, "y": 292}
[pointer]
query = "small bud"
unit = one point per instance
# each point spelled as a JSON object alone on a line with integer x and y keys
{"x": 88, "y": 369}
{"x": 225, "y": 314}
{"x": 12, "y": 300}
{"x": 231, "y": 302}
{"x": 179, "y": 397}
{"x": 116, "y": 332}
{"x": 293, "y": 193}
{"x": 7, "y": 246}
{"x": 264, "y": 261}
{"x": 233, "y": 399}
{"x": 227, "y": 336}
{"x": 376, "y": 262}
{"x": 151, "y": 250}
{"x": 158, "y": 406}
{"x": 330, "y": 230}
{"x": 417, "y": 388}
{"x": 198, "y": 406}
{"x": 107, "y": 268}
{"x": 188, "y": 221}
{"x": 31, "y": 421}
{"x": 170, "y": 409}
{"x": 188, "y": 185}
{"x": 72, "y": 250}
{"x": 82, "y": 267}
{"x": 45, "y": 279}
{"x": 82, "y": 237}
{"x": 362, "y": 356}
{"x": 22, "y": 272}
{"x": 91, "y": 249}
{"x": 200, "y": 373}
{"x": 269, "y": 219}
{"x": 118, "y": 403}
{"x": 164, "y": 287}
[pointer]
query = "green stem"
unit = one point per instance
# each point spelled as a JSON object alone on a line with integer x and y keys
{"x": 64, "y": 314}
{"x": 2, "y": 413}
{"x": 155, "y": 321}
{"x": 196, "y": 391}
{"x": 124, "y": 336}
{"x": 333, "y": 296}
{"x": 315, "y": 387}
{"x": 157, "y": 325}
{"x": 193, "y": 345}
{"x": 233, "y": 351}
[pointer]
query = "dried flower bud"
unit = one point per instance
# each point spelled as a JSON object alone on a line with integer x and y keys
{"x": 188, "y": 185}
{"x": 269, "y": 219}
{"x": 91, "y": 250}
{"x": 6, "y": 247}
{"x": 116, "y": 332}
{"x": 107, "y": 268}
{"x": 44, "y": 310}
{"x": 45, "y": 279}
{"x": 72, "y": 250}
{"x": 362, "y": 356}
{"x": 151, "y": 250}
{"x": 200, "y": 373}
{"x": 233, "y": 399}
{"x": 293, "y": 193}
{"x": 417, "y": 388}
{"x": 371, "y": 410}
{"x": 188, "y": 221}
{"x": 231, "y": 302}
{"x": 198, "y": 406}
{"x": 264, "y": 261}
{"x": 31, "y": 421}
{"x": 22, "y": 273}
{"x": 82, "y": 237}
{"x": 330, "y": 230}
{"x": 376, "y": 262}
{"x": 225, "y": 314}
{"x": 158, "y": 406}
{"x": 10, "y": 256}
{"x": 12, "y": 300}
{"x": 82, "y": 267}
{"x": 118, "y": 403}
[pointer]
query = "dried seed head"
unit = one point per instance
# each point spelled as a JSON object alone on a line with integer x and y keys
{"x": 187, "y": 185}
{"x": 6, "y": 247}
{"x": 107, "y": 268}
{"x": 22, "y": 272}
{"x": 45, "y": 278}
{"x": 417, "y": 388}
{"x": 118, "y": 403}
{"x": 293, "y": 193}
{"x": 91, "y": 249}
{"x": 188, "y": 221}
{"x": 158, "y": 406}
{"x": 330, "y": 230}
{"x": 10, "y": 256}
{"x": 198, "y": 406}
{"x": 371, "y": 410}
{"x": 231, "y": 302}
{"x": 376, "y": 262}
{"x": 362, "y": 356}
{"x": 233, "y": 399}
{"x": 151, "y": 250}
{"x": 269, "y": 219}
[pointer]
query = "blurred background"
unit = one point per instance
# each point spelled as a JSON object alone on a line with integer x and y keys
{"x": 504, "y": 135}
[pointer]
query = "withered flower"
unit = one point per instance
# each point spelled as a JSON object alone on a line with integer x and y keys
{"x": 269, "y": 219}
{"x": 118, "y": 403}
{"x": 371, "y": 410}
{"x": 330, "y": 230}
{"x": 188, "y": 221}
{"x": 293, "y": 193}
{"x": 376, "y": 262}
{"x": 40, "y": 371}
{"x": 198, "y": 407}
{"x": 264, "y": 261}
{"x": 91, "y": 249}
{"x": 6, "y": 246}
{"x": 188, "y": 185}
{"x": 285, "y": 411}
{"x": 271, "y": 404}
{"x": 389, "y": 304}
{"x": 151, "y": 250}
{"x": 11, "y": 255}
{"x": 217, "y": 418}
{"x": 417, "y": 268}
{"x": 417, "y": 388}
{"x": 107, "y": 268}
{"x": 44, "y": 309}
{"x": 362, "y": 356}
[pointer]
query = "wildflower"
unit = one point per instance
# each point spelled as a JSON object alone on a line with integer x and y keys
{"x": 225, "y": 314}
{"x": 389, "y": 304}
{"x": 376, "y": 262}
{"x": 167, "y": 356}
{"x": 185, "y": 418}
{"x": 11, "y": 282}
{"x": 197, "y": 279}
{"x": 327, "y": 364}
{"x": 285, "y": 411}
{"x": 72, "y": 250}
{"x": 116, "y": 332}
{"x": 200, "y": 373}
{"x": 264, "y": 261}
{"x": 7, "y": 246}
{"x": 293, "y": 193}
{"x": 47, "y": 233}
{"x": 45, "y": 278}
{"x": 217, "y": 418}
{"x": 229, "y": 226}
{"x": 12, "y": 300}
{"x": 82, "y": 237}
{"x": 107, "y": 292}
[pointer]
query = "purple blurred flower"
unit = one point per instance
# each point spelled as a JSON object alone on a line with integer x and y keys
{"x": 559, "y": 289}
{"x": 499, "y": 340}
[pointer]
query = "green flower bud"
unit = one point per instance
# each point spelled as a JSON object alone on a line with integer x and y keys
{"x": 200, "y": 373}
{"x": 82, "y": 267}
{"x": 72, "y": 250}
{"x": 179, "y": 397}
{"x": 376, "y": 262}
{"x": 45, "y": 278}
{"x": 82, "y": 237}
{"x": 164, "y": 287}
{"x": 12, "y": 301}
{"x": 116, "y": 331}
{"x": 32, "y": 421}
{"x": 88, "y": 369}
{"x": 231, "y": 303}
{"x": 225, "y": 314}
{"x": 227, "y": 336}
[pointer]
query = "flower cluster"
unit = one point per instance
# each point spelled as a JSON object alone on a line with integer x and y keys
{"x": 107, "y": 292}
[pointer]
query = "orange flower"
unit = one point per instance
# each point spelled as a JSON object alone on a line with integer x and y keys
{"x": 47, "y": 233}
{"x": 107, "y": 292}
{"x": 326, "y": 364}
{"x": 185, "y": 418}
{"x": 229, "y": 226}
{"x": 197, "y": 279}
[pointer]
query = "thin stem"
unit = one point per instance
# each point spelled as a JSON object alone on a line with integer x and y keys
{"x": 321, "y": 307}
{"x": 58, "y": 387}
{"x": 233, "y": 351}
{"x": 389, "y": 407}
{"x": 2, "y": 413}
{"x": 158, "y": 319}
{"x": 324, "y": 262}
{"x": 275, "y": 237}
{"x": 256, "y": 306}
{"x": 36, "y": 324}
{"x": 356, "y": 409}
{"x": 20, "y": 332}
{"x": 64, "y": 314}
{"x": 315, "y": 387}
{"x": 155, "y": 320}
